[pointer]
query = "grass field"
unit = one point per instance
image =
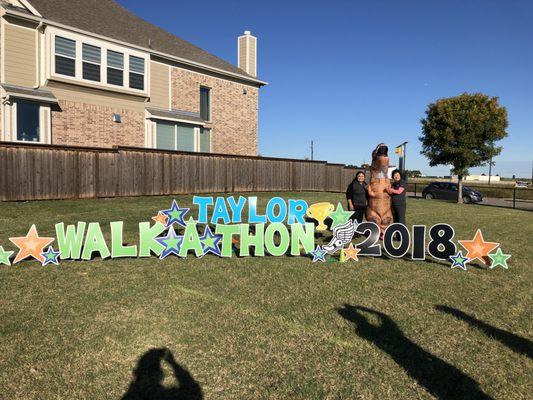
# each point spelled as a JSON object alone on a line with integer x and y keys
{"x": 270, "y": 328}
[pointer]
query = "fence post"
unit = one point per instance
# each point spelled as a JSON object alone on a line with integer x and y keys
{"x": 415, "y": 190}
{"x": 514, "y": 197}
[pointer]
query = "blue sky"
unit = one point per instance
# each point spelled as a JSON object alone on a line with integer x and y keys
{"x": 350, "y": 74}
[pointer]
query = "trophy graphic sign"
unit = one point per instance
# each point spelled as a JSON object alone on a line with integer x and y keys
{"x": 319, "y": 212}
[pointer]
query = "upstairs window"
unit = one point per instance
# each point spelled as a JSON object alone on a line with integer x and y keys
{"x": 136, "y": 73}
{"x": 92, "y": 56}
{"x": 115, "y": 68}
{"x": 87, "y": 60}
{"x": 65, "y": 56}
{"x": 205, "y": 103}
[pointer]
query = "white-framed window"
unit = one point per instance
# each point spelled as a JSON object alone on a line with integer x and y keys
{"x": 26, "y": 121}
{"x": 65, "y": 56}
{"x": 204, "y": 140}
{"x": 169, "y": 135}
{"x": 136, "y": 73}
{"x": 92, "y": 61}
{"x": 97, "y": 62}
{"x": 115, "y": 68}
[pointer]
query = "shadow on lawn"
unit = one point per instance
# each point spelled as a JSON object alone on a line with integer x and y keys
{"x": 514, "y": 342}
{"x": 148, "y": 379}
{"x": 442, "y": 380}
{"x": 441, "y": 263}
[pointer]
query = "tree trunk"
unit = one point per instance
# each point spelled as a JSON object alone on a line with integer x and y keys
{"x": 460, "y": 189}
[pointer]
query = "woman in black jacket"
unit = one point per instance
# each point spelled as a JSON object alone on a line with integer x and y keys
{"x": 356, "y": 195}
{"x": 397, "y": 192}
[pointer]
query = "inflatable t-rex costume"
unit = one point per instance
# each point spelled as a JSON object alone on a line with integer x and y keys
{"x": 379, "y": 201}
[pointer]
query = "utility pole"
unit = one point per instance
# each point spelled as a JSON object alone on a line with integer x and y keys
{"x": 490, "y": 162}
{"x": 400, "y": 150}
{"x": 404, "y": 157}
{"x": 490, "y": 167}
{"x": 312, "y": 150}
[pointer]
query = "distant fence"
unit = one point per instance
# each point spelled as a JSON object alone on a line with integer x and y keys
{"x": 38, "y": 172}
{"x": 493, "y": 195}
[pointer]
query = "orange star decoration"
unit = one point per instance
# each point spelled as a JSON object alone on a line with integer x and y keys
{"x": 161, "y": 218}
{"x": 477, "y": 248}
{"x": 351, "y": 252}
{"x": 30, "y": 245}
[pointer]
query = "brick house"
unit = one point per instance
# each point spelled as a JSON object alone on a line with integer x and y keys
{"x": 90, "y": 73}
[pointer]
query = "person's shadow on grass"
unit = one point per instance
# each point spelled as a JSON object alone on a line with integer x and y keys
{"x": 514, "y": 342}
{"x": 148, "y": 379}
{"x": 442, "y": 380}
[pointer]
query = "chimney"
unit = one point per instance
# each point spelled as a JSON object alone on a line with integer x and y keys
{"x": 247, "y": 53}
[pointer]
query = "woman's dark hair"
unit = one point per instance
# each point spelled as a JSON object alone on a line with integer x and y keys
{"x": 359, "y": 172}
{"x": 396, "y": 171}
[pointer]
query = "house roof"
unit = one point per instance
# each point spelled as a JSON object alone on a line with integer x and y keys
{"x": 178, "y": 115}
{"x": 29, "y": 93}
{"x": 108, "y": 18}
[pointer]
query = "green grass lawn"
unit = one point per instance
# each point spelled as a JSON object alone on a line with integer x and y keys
{"x": 265, "y": 328}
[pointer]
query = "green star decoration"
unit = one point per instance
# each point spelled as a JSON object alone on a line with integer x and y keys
{"x": 209, "y": 241}
{"x": 5, "y": 256}
{"x": 339, "y": 216}
{"x": 499, "y": 258}
{"x": 172, "y": 243}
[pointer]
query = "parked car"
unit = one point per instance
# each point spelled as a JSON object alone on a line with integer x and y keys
{"x": 448, "y": 191}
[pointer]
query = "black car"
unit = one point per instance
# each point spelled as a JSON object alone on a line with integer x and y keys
{"x": 448, "y": 191}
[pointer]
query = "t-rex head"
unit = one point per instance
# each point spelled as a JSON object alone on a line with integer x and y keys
{"x": 380, "y": 161}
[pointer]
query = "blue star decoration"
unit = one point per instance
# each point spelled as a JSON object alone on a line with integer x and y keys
{"x": 459, "y": 261}
{"x": 210, "y": 242}
{"x": 50, "y": 256}
{"x": 175, "y": 214}
{"x": 172, "y": 243}
{"x": 319, "y": 254}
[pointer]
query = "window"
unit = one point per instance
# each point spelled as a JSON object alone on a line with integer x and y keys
{"x": 182, "y": 137}
{"x": 28, "y": 125}
{"x": 136, "y": 73}
{"x": 185, "y": 137}
{"x": 115, "y": 68}
{"x": 205, "y": 103}
{"x": 91, "y": 62}
{"x": 65, "y": 56}
{"x": 88, "y": 60}
{"x": 166, "y": 136}
{"x": 205, "y": 140}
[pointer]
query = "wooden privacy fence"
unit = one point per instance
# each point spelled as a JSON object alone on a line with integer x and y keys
{"x": 36, "y": 172}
